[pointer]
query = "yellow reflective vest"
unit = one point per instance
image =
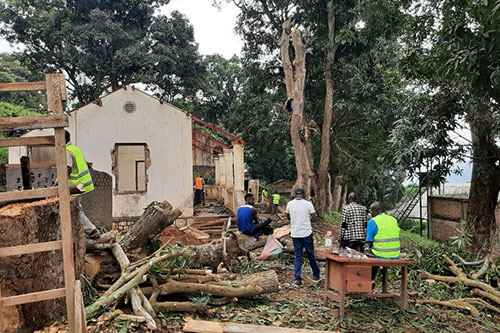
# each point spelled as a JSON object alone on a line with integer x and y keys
{"x": 386, "y": 242}
{"x": 82, "y": 174}
{"x": 276, "y": 199}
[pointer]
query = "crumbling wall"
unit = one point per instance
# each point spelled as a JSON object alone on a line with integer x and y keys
{"x": 98, "y": 204}
{"x": 34, "y": 222}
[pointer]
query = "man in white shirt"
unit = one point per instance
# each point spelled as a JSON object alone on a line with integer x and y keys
{"x": 300, "y": 212}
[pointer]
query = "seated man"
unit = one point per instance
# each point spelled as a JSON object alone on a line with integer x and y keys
{"x": 382, "y": 235}
{"x": 247, "y": 215}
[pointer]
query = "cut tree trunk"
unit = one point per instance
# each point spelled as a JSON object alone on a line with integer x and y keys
{"x": 35, "y": 222}
{"x": 152, "y": 222}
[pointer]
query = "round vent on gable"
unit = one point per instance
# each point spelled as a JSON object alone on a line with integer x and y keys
{"x": 129, "y": 106}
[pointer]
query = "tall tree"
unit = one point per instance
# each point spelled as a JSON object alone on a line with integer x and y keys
{"x": 452, "y": 48}
{"x": 103, "y": 44}
{"x": 314, "y": 40}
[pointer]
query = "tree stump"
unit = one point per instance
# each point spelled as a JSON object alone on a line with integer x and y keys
{"x": 35, "y": 222}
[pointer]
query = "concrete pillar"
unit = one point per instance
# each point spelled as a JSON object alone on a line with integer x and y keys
{"x": 222, "y": 178}
{"x": 228, "y": 160}
{"x": 217, "y": 176}
{"x": 239, "y": 175}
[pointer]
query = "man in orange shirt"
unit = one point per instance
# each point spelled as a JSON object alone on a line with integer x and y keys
{"x": 198, "y": 191}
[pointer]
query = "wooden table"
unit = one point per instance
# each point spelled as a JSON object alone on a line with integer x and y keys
{"x": 353, "y": 277}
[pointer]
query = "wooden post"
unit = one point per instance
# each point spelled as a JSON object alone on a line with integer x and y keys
{"x": 56, "y": 90}
{"x": 239, "y": 175}
{"x": 404, "y": 283}
{"x": 342, "y": 289}
{"x": 222, "y": 186}
{"x": 25, "y": 172}
{"x": 229, "y": 173}
{"x": 384, "y": 279}
{"x": 1, "y": 308}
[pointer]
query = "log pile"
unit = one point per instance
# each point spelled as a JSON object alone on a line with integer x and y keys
{"x": 478, "y": 288}
{"x": 164, "y": 280}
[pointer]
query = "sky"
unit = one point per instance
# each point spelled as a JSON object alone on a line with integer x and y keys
{"x": 213, "y": 27}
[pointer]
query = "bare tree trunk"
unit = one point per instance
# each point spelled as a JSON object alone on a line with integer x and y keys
{"x": 295, "y": 75}
{"x": 323, "y": 189}
{"x": 484, "y": 189}
{"x": 337, "y": 193}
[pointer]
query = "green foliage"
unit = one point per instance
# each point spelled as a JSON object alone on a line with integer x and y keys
{"x": 153, "y": 245}
{"x": 104, "y": 44}
{"x": 246, "y": 266}
{"x": 413, "y": 226}
{"x": 429, "y": 253}
{"x": 332, "y": 218}
{"x": 463, "y": 239}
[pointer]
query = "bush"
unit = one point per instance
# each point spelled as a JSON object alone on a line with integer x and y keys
{"x": 332, "y": 218}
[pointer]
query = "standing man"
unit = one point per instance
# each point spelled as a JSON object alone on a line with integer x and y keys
{"x": 78, "y": 172}
{"x": 353, "y": 224}
{"x": 248, "y": 219}
{"x": 198, "y": 190}
{"x": 300, "y": 212}
{"x": 276, "y": 202}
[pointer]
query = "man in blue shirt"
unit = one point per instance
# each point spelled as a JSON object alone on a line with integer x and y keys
{"x": 382, "y": 235}
{"x": 248, "y": 219}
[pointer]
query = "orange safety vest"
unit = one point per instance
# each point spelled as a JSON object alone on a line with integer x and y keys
{"x": 198, "y": 183}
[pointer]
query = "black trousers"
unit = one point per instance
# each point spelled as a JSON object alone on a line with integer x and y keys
{"x": 198, "y": 196}
{"x": 261, "y": 229}
{"x": 357, "y": 245}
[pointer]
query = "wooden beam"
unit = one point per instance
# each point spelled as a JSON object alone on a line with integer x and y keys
{"x": 54, "y": 104}
{"x": 203, "y": 326}
{"x": 23, "y": 86}
{"x": 204, "y": 144}
{"x": 33, "y": 165}
{"x": 30, "y": 248}
{"x": 27, "y": 141}
{"x": 38, "y": 193}
{"x": 33, "y": 122}
{"x": 32, "y": 297}
{"x": 222, "y": 144}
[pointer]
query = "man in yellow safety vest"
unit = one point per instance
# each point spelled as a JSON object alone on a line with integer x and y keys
{"x": 382, "y": 235}
{"x": 276, "y": 202}
{"x": 78, "y": 172}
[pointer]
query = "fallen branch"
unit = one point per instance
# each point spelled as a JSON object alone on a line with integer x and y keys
{"x": 457, "y": 304}
{"x": 481, "y": 302}
{"x": 485, "y": 294}
{"x": 467, "y": 263}
{"x": 105, "y": 241}
{"x": 483, "y": 269}
{"x": 140, "y": 304}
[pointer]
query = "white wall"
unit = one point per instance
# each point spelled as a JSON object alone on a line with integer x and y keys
{"x": 165, "y": 129}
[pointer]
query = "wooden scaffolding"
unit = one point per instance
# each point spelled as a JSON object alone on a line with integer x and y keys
{"x": 55, "y": 87}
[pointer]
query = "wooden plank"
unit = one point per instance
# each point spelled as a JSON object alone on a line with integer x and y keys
{"x": 203, "y": 326}
{"x": 30, "y": 248}
{"x": 282, "y": 232}
{"x": 33, "y": 165}
{"x": 197, "y": 233}
{"x": 33, "y": 122}
{"x": 1, "y": 309}
{"x": 32, "y": 297}
{"x": 80, "y": 320}
{"x": 54, "y": 104}
{"x": 23, "y": 86}
{"x": 39, "y": 193}
{"x": 27, "y": 141}
{"x": 372, "y": 261}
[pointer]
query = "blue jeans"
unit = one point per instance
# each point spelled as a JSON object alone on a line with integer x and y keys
{"x": 298, "y": 245}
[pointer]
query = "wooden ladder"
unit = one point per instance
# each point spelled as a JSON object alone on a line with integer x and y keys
{"x": 55, "y": 87}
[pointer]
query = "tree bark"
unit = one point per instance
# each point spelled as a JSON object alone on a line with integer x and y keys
{"x": 294, "y": 81}
{"x": 321, "y": 199}
{"x": 484, "y": 189}
{"x": 337, "y": 193}
{"x": 152, "y": 222}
